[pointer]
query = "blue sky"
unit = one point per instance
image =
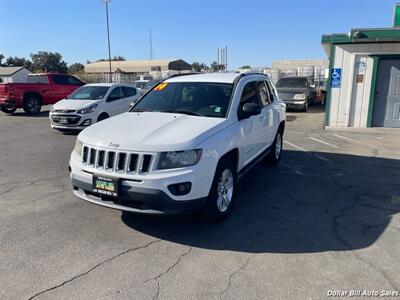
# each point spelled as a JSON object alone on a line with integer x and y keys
{"x": 256, "y": 32}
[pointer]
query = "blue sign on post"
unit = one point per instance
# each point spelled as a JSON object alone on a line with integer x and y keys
{"x": 336, "y": 77}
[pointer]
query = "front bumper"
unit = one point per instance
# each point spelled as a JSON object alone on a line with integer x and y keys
{"x": 71, "y": 121}
{"x": 296, "y": 104}
{"x": 146, "y": 193}
{"x": 137, "y": 200}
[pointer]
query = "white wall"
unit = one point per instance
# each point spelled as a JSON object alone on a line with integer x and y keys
{"x": 6, "y": 79}
{"x": 349, "y": 103}
{"x": 20, "y": 76}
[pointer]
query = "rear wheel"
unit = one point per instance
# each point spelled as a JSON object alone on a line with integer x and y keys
{"x": 276, "y": 149}
{"x": 8, "y": 110}
{"x": 32, "y": 105}
{"x": 223, "y": 192}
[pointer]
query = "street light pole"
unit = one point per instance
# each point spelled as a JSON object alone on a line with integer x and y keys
{"x": 108, "y": 37}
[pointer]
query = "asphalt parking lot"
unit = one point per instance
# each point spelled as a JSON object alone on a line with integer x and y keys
{"x": 326, "y": 218}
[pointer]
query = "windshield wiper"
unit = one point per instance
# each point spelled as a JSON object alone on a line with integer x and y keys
{"x": 141, "y": 110}
{"x": 188, "y": 112}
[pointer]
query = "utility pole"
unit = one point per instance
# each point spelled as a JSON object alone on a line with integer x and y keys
{"x": 151, "y": 44}
{"x": 108, "y": 38}
{"x": 226, "y": 58}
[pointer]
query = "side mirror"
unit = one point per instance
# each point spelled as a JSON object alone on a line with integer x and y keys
{"x": 250, "y": 109}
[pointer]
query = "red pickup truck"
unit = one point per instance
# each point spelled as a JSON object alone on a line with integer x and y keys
{"x": 40, "y": 89}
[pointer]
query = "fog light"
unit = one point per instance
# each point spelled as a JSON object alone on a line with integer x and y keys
{"x": 180, "y": 189}
{"x": 87, "y": 122}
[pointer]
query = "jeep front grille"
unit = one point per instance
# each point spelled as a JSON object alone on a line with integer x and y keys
{"x": 117, "y": 161}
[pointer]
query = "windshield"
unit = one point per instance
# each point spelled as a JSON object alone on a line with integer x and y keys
{"x": 89, "y": 93}
{"x": 192, "y": 98}
{"x": 292, "y": 82}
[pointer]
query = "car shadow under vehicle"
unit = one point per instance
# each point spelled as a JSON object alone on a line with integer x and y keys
{"x": 303, "y": 205}
{"x": 21, "y": 113}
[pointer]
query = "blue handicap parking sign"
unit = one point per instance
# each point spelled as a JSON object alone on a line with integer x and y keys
{"x": 336, "y": 77}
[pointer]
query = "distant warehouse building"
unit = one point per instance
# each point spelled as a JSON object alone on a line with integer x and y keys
{"x": 140, "y": 67}
{"x": 363, "y": 88}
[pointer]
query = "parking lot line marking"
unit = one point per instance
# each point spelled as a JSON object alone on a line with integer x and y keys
{"x": 297, "y": 147}
{"x": 323, "y": 142}
{"x": 346, "y": 138}
{"x": 310, "y": 153}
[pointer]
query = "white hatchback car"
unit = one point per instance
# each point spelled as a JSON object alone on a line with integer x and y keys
{"x": 92, "y": 103}
{"x": 182, "y": 147}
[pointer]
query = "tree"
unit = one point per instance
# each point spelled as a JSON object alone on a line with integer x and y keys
{"x": 198, "y": 67}
{"x": 48, "y": 62}
{"x": 245, "y": 67}
{"x": 76, "y": 68}
{"x": 18, "y": 62}
{"x": 214, "y": 65}
{"x": 1, "y": 59}
{"x": 115, "y": 58}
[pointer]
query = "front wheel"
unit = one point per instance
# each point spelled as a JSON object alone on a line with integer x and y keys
{"x": 305, "y": 107}
{"x": 8, "y": 110}
{"x": 223, "y": 192}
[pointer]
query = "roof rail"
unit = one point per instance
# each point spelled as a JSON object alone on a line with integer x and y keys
{"x": 182, "y": 74}
{"x": 249, "y": 73}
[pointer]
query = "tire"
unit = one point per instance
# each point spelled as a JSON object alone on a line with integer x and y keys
{"x": 102, "y": 117}
{"x": 276, "y": 150}
{"x": 305, "y": 107}
{"x": 8, "y": 110}
{"x": 223, "y": 192}
{"x": 32, "y": 105}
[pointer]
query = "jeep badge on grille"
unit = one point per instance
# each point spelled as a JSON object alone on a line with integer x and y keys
{"x": 112, "y": 145}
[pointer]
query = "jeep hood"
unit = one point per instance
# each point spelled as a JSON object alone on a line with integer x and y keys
{"x": 73, "y": 104}
{"x": 151, "y": 131}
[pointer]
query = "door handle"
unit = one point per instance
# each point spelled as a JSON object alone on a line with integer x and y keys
{"x": 262, "y": 118}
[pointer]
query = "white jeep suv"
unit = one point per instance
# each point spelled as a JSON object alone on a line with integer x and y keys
{"x": 182, "y": 147}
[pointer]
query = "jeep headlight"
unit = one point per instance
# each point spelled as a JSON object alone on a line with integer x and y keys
{"x": 78, "y": 147}
{"x": 299, "y": 97}
{"x": 52, "y": 109}
{"x": 178, "y": 159}
{"x": 87, "y": 110}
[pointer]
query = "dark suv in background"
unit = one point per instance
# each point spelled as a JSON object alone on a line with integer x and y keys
{"x": 296, "y": 92}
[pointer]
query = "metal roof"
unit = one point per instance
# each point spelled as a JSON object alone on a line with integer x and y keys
{"x": 137, "y": 66}
{"x": 8, "y": 71}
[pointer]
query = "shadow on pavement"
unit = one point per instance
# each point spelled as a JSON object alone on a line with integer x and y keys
{"x": 303, "y": 205}
{"x": 21, "y": 113}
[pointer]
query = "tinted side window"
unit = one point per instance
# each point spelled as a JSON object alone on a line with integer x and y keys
{"x": 271, "y": 90}
{"x": 250, "y": 94}
{"x": 264, "y": 93}
{"x": 38, "y": 79}
{"x": 74, "y": 81}
{"x": 115, "y": 94}
{"x": 60, "y": 79}
{"x": 129, "y": 91}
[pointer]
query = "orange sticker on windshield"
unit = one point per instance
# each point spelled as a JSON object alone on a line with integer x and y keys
{"x": 161, "y": 86}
